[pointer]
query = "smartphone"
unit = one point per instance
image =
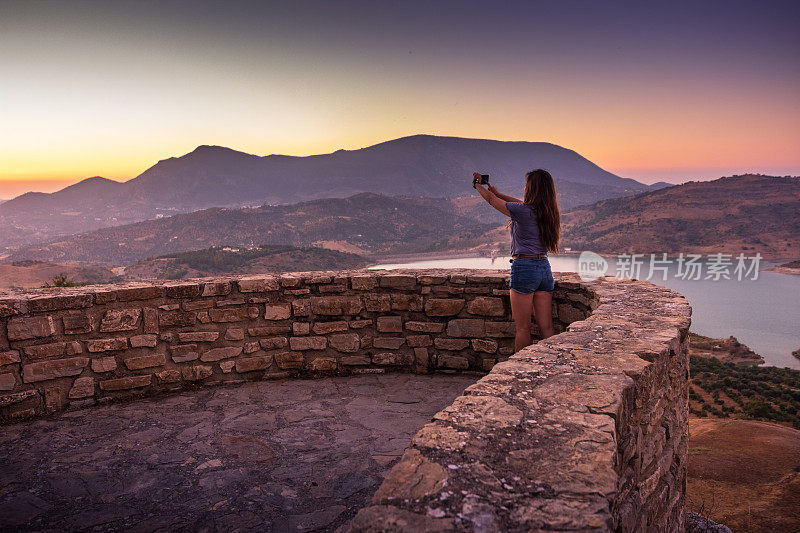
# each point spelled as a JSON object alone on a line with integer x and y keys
{"x": 484, "y": 179}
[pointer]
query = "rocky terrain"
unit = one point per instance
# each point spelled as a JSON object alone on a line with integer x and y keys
{"x": 749, "y": 214}
{"x": 214, "y": 176}
{"x": 729, "y": 350}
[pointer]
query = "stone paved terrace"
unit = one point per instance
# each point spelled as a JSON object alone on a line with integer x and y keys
{"x": 286, "y": 455}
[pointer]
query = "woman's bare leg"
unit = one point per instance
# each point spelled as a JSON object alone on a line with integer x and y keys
{"x": 521, "y": 308}
{"x": 543, "y": 311}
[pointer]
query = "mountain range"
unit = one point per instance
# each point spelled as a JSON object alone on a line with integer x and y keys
{"x": 214, "y": 176}
{"x": 748, "y": 213}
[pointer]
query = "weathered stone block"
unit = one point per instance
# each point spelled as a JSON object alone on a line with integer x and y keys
{"x": 234, "y": 334}
{"x": 406, "y": 302}
{"x": 44, "y": 304}
{"x": 443, "y": 306}
{"x": 425, "y": 327}
{"x": 176, "y": 318}
{"x": 104, "y": 364}
{"x": 359, "y": 324}
{"x": 308, "y": 343}
{"x": 259, "y": 284}
{"x": 569, "y": 314}
{"x": 56, "y": 368}
{"x": 289, "y": 360}
{"x": 290, "y": 281}
{"x": 120, "y": 320}
{"x": 500, "y": 329}
{"x": 264, "y": 331}
{"x": 431, "y": 279}
{"x": 390, "y": 324}
{"x": 486, "y": 306}
{"x": 169, "y": 376}
{"x": 250, "y": 347}
{"x": 144, "y": 361}
{"x": 378, "y": 302}
{"x": 9, "y": 308}
{"x": 345, "y": 342}
{"x": 36, "y": 327}
{"x": 227, "y": 366}
{"x": 215, "y": 354}
{"x": 82, "y": 388}
{"x": 301, "y": 328}
{"x": 11, "y": 356}
{"x": 421, "y": 358}
{"x": 231, "y": 302}
{"x": 354, "y": 360}
{"x": 418, "y": 341}
{"x": 301, "y": 307}
{"x": 452, "y": 361}
{"x": 76, "y": 323}
{"x": 273, "y": 343}
{"x": 199, "y": 336}
{"x": 150, "y": 322}
{"x": 41, "y": 351}
{"x": 252, "y": 364}
{"x": 450, "y": 344}
{"x": 280, "y": 311}
{"x": 393, "y": 359}
{"x": 483, "y": 345}
{"x": 182, "y": 290}
{"x": 233, "y": 314}
{"x": 107, "y": 345}
{"x": 466, "y": 327}
{"x": 323, "y": 364}
{"x": 197, "y": 305}
{"x": 363, "y": 282}
{"x": 402, "y": 282}
{"x": 336, "y": 305}
{"x": 388, "y": 343}
{"x": 18, "y": 397}
{"x": 216, "y": 288}
{"x": 323, "y": 328}
{"x": 7, "y": 381}
{"x": 182, "y": 353}
{"x": 196, "y": 372}
{"x": 337, "y": 288}
{"x": 139, "y": 293}
{"x": 144, "y": 341}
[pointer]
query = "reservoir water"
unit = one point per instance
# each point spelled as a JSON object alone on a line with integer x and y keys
{"x": 763, "y": 313}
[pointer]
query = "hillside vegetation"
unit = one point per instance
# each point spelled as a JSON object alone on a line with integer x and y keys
{"x": 749, "y": 214}
{"x": 369, "y": 222}
{"x": 231, "y": 260}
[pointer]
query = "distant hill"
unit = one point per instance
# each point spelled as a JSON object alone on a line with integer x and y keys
{"x": 213, "y": 176}
{"x": 749, "y": 213}
{"x": 35, "y": 274}
{"x": 226, "y": 260}
{"x": 365, "y": 223}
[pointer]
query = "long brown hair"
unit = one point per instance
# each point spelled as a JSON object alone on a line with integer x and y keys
{"x": 540, "y": 192}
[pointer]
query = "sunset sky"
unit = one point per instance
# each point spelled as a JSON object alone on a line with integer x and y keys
{"x": 653, "y": 91}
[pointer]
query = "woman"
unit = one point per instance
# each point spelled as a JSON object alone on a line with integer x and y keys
{"x": 535, "y": 230}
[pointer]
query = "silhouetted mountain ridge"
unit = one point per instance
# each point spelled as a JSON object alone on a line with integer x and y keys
{"x": 210, "y": 176}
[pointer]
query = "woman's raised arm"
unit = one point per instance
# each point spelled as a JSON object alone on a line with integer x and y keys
{"x": 502, "y": 196}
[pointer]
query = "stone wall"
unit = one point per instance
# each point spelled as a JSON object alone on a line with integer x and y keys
{"x": 74, "y": 347}
{"x": 585, "y": 431}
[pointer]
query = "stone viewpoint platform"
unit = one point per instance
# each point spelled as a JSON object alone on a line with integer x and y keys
{"x": 584, "y": 431}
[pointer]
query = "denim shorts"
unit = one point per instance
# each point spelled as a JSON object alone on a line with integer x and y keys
{"x": 529, "y": 275}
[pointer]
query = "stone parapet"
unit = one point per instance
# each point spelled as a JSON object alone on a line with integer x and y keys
{"x": 584, "y": 431}
{"x": 71, "y": 347}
